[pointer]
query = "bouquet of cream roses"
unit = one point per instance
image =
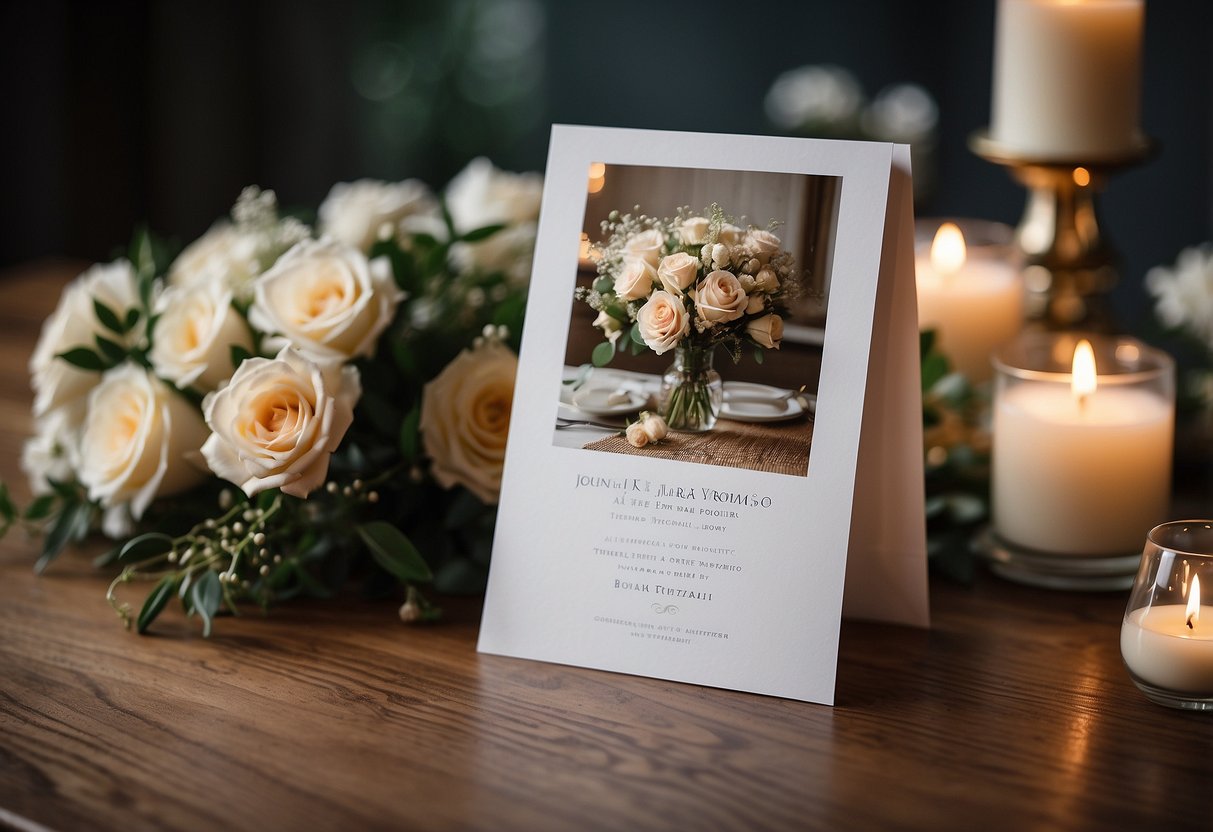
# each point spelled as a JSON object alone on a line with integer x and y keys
{"x": 281, "y": 407}
{"x": 689, "y": 284}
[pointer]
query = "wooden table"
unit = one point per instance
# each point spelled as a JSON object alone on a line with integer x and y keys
{"x": 1012, "y": 712}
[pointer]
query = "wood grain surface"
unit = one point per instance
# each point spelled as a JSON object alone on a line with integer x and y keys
{"x": 1012, "y": 712}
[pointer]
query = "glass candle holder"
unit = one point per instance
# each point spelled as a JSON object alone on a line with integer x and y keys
{"x": 1081, "y": 469}
{"x": 1166, "y": 638}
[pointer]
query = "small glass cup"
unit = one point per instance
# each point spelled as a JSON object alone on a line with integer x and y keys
{"x": 1166, "y": 638}
{"x": 1078, "y": 474}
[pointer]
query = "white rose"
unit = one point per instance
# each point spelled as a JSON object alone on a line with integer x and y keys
{"x": 755, "y": 304}
{"x": 53, "y": 452}
{"x": 663, "y": 321}
{"x": 509, "y": 251}
{"x": 465, "y": 419}
{"x": 763, "y": 244}
{"x": 74, "y": 324}
{"x": 324, "y": 298}
{"x": 278, "y": 421}
{"x": 483, "y": 195}
{"x": 694, "y": 231}
{"x": 355, "y": 212}
{"x": 636, "y": 435}
{"x": 646, "y": 246}
{"x": 720, "y": 256}
{"x": 225, "y": 254}
{"x": 655, "y": 426}
{"x": 677, "y": 272}
{"x": 766, "y": 280}
{"x": 194, "y": 335}
{"x": 136, "y": 440}
{"x": 611, "y": 328}
{"x": 766, "y": 331}
{"x": 635, "y": 280}
{"x": 720, "y": 298}
{"x": 730, "y": 234}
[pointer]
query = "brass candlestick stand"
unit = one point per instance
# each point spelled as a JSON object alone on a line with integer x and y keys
{"x": 1069, "y": 265}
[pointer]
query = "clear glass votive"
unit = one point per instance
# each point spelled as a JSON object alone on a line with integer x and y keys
{"x": 1166, "y": 638}
{"x": 1081, "y": 466}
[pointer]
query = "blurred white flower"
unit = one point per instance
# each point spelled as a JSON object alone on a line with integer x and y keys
{"x": 52, "y": 453}
{"x": 356, "y": 212}
{"x": 821, "y": 97}
{"x": 482, "y": 195}
{"x": 901, "y": 113}
{"x": 1184, "y": 292}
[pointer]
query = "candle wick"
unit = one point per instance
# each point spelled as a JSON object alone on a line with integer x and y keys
{"x": 1190, "y": 627}
{"x": 1082, "y": 403}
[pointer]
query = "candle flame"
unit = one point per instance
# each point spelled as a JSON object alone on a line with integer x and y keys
{"x": 1082, "y": 380}
{"x": 948, "y": 249}
{"x": 1193, "y": 603}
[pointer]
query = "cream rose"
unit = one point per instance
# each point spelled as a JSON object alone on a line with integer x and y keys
{"x": 663, "y": 321}
{"x": 636, "y": 435}
{"x": 136, "y": 439}
{"x": 762, "y": 244}
{"x": 755, "y": 304}
{"x": 482, "y": 195}
{"x": 766, "y": 280}
{"x": 635, "y": 280}
{"x": 655, "y": 426}
{"x": 278, "y": 421}
{"x": 224, "y": 254}
{"x": 74, "y": 324}
{"x": 465, "y": 419}
{"x": 677, "y": 272}
{"x": 646, "y": 246}
{"x": 356, "y": 213}
{"x": 730, "y": 234}
{"x": 720, "y": 298}
{"x": 324, "y": 298}
{"x": 195, "y": 332}
{"x": 766, "y": 331}
{"x": 694, "y": 231}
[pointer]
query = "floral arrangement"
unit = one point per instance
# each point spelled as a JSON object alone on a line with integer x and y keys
{"x": 280, "y": 408}
{"x": 1183, "y": 305}
{"x": 688, "y": 284}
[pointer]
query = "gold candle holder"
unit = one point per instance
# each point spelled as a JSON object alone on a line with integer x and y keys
{"x": 1069, "y": 266}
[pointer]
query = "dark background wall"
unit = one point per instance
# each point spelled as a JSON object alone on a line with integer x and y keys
{"x": 121, "y": 112}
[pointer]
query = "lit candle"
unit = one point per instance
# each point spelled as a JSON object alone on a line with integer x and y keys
{"x": 973, "y": 304}
{"x": 1081, "y": 463}
{"x": 1170, "y": 646}
{"x": 1067, "y": 78}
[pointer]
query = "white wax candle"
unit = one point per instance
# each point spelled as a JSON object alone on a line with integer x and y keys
{"x": 1160, "y": 649}
{"x": 972, "y": 311}
{"x": 1067, "y": 78}
{"x": 1087, "y": 479}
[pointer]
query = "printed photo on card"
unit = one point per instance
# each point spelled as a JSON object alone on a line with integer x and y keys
{"x": 700, "y": 296}
{"x": 681, "y": 473}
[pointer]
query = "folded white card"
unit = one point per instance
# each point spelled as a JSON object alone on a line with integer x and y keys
{"x": 689, "y": 568}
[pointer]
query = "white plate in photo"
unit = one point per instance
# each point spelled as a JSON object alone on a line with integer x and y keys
{"x": 609, "y": 401}
{"x": 761, "y": 409}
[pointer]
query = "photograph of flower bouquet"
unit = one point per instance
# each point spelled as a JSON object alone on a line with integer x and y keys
{"x": 697, "y": 332}
{"x": 284, "y": 408}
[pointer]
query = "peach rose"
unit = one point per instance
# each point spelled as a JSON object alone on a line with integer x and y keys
{"x": 635, "y": 281}
{"x": 646, "y": 246}
{"x": 766, "y": 331}
{"x": 663, "y": 321}
{"x": 720, "y": 298}
{"x": 195, "y": 333}
{"x": 677, "y": 272}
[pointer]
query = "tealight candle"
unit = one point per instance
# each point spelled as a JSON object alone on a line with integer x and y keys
{"x": 971, "y": 297}
{"x": 1081, "y": 459}
{"x": 1067, "y": 78}
{"x": 1166, "y": 637}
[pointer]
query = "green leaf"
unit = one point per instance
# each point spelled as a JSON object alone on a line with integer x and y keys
{"x": 934, "y": 367}
{"x": 410, "y": 434}
{"x": 484, "y": 233}
{"x": 758, "y": 355}
{"x": 40, "y": 508}
{"x": 145, "y": 546}
{"x": 155, "y": 602}
{"x": 603, "y": 284}
{"x": 636, "y": 335}
{"x": 85, "y": 359}
{"x": 603, "y": 353}
{"x": 107, "y": 557}
{"x": 637, "y": 349}
{"x": 108, "y": 317}
{"x": 71, "y": 525}
{"x": 207, "y": 595}
{"x": 394, "y": 552}
{"x": 111, "y": 351}
{"x": 238, "y": 354}
{"x": 132, "y": 318}
{"x": 926, "y": 342}
{"x": 447, "y": 221}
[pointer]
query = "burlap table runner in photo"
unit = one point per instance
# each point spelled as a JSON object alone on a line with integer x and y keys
{"x": 781, "y": 448}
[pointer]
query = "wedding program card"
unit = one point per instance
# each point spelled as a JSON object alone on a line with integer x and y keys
{"x": 727, "y": 557}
